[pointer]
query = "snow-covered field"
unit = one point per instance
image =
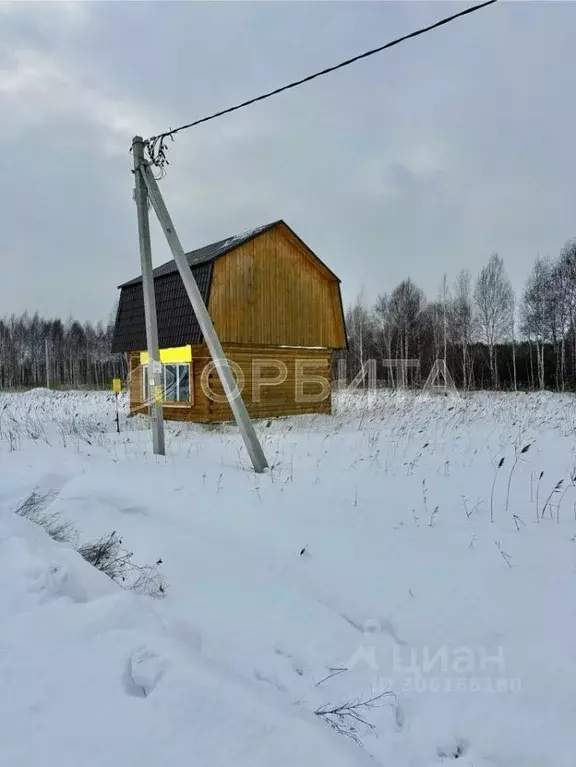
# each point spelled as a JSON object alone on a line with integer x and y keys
{"x": 384, "y": 551}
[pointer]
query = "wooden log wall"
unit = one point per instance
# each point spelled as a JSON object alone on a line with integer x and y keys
{"x": 268, "y": 401}
{"x": 257, "y": 364}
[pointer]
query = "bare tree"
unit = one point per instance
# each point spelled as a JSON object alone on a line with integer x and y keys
{"x": 494, "y": 302}
{"x": 433, "y": 318}
{"x": 383, "y": 330}
{"x": 360, "y": 329}
{"x": 404, "y": 307}
{"x": 565, "y": 287}
{"x": 444, "y": 301}
{"x": 462, "y": 319}
{"x": 512, "y": 337}
{"x": 535, "y": 311}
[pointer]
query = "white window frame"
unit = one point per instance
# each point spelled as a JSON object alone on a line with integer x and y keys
{"x": 172, "y": 402}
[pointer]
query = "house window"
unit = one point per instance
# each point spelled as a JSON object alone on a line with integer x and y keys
{"x": 175, "y": 381}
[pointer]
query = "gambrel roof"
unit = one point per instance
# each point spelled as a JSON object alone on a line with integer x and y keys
{"x": 177, "y": 324}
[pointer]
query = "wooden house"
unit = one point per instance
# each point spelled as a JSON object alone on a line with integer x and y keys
{"x": 277, "y": 309}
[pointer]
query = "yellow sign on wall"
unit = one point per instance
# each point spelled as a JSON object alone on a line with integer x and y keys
{"x": 172, "y": 355}
{"x": 117, "y": 385}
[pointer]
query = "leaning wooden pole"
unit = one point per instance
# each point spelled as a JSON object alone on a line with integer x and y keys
{"x": 155, "y": 384}
{"x": 210, "y": 336}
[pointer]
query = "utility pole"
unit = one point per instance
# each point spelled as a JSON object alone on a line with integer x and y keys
{"x": 47, "y": 363}
{"x": 154, "y": 366}
{"x": 210, "y": 336}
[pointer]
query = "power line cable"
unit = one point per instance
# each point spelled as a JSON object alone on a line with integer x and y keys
{"x": 156, "y": 145}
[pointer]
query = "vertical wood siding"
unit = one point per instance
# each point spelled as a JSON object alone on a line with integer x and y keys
{"x": 272, "y": 291}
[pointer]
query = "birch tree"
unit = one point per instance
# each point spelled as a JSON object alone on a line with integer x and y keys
{"x": 406, "y": 303}
{"x": 360, "y": 328}
{"x": 494, "y": 302}
{"x": 462, "y": 318}
{"x": 535, "y": 310}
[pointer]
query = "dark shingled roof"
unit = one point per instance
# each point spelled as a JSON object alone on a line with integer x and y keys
{"x": 208, "y": 252}
{"x": 177, "y": 324}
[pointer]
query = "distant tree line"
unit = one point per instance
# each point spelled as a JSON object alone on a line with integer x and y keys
{"x": 487, "y": 336}
{"x": 38, "y": 352}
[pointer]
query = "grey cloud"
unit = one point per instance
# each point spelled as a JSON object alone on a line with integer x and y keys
{"x": 421, "y": 160}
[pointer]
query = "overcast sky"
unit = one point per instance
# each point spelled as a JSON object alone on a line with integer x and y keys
{"x": 422, "y": 159}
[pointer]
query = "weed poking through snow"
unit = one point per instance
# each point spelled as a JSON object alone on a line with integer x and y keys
{"x": 516, "y": 459}
{"x": 346, "y": 717}
{"x": 500, "y": 464}
{"x": 555, "y": 490}
{"x": 107, "y": 555}
{"x": 34, "y": 509}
